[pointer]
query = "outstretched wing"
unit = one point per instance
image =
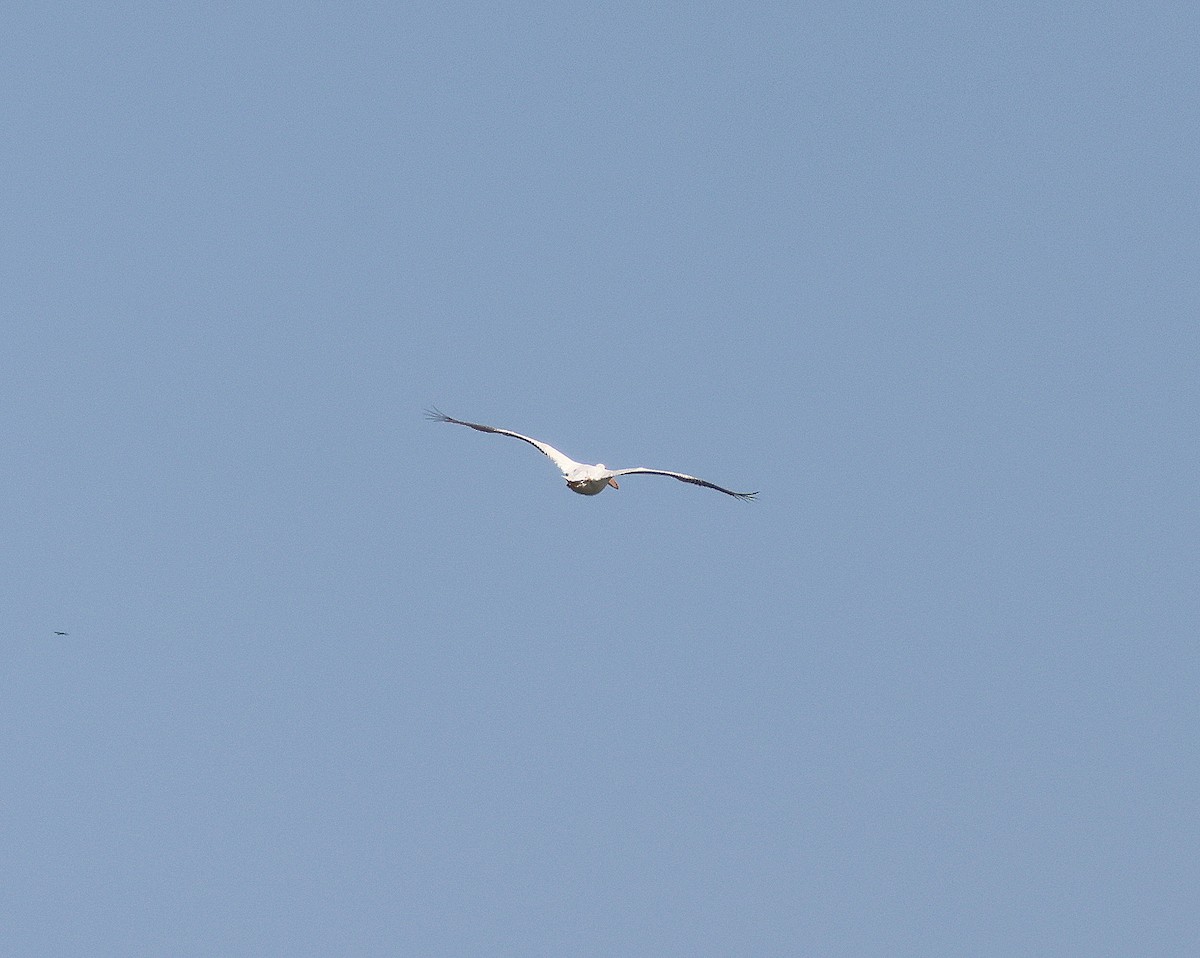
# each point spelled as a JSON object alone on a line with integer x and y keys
{"x": 684, "y": 478}
{"x": 564, "y": 463}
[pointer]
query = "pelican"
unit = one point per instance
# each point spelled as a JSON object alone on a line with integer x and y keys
{"x": 582, "y": 478}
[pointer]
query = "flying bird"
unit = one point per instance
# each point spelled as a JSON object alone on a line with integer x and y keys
{"x": 582, "y": 478}
{"x": 62, "y": 633}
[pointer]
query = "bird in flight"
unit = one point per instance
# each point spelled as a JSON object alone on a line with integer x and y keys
{"x": 62, "y": 633}
{"x": 582, "y": 478}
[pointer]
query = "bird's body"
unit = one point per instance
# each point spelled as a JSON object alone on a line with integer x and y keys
{"x": 62, "y": 633}
{"x": 582, "y": 478}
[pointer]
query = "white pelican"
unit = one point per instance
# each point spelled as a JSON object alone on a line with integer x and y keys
{"x": 582, "y": 478}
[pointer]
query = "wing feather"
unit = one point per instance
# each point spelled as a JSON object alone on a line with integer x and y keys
{"x": 564, "y": 463}
{"x": 683, "y": 477}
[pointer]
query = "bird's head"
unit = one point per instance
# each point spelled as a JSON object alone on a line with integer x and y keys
{"x": 600, "y": 467}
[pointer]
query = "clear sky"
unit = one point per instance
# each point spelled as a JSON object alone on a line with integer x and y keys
{"x": 343, "y": 681}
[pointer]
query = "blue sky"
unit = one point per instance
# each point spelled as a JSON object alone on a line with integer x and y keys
{"x": 340, "y": 680}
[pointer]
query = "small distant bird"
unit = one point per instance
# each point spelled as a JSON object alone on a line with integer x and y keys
{"x": 62, "y": 633}
{"x": 582, "y": 478}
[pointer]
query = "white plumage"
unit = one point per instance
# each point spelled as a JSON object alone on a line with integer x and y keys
{"x": 582, "y": 478}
